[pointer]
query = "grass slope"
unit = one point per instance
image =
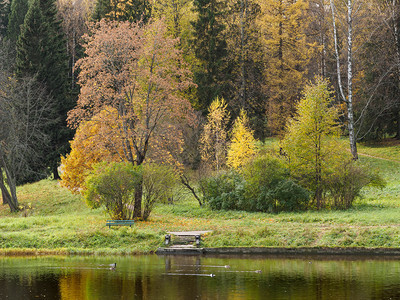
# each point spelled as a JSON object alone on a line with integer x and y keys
{"x": 61, "y": 223}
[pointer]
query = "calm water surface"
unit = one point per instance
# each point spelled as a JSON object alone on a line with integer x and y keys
{"x": 199, "y": 277}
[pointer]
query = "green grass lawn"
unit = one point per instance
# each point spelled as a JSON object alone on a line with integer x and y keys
{"x": 61, "y": 222}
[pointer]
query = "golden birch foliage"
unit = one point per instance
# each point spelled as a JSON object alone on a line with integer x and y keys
{"x": 312, "y": 140}
{"x": 92, "y": 143}
{"x": 283, "y": 24}
{"x": 243, "y": 143}
{"x": 214, "y": 137}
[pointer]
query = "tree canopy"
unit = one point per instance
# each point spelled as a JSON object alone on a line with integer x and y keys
{"x": 137, "y": 70}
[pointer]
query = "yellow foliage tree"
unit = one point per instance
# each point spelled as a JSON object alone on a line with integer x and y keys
{"x": 243, "y": 145}
{"x": 283, "y": 24}
{"x": 312, "y": 141}
{"x": 214, "y": 137}
{"x": 91, "y": 144}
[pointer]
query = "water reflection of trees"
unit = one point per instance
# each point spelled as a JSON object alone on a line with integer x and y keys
{"x": 181, "y": 278}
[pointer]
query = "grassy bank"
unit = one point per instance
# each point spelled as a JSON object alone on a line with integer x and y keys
{"x": 60, "y": 223}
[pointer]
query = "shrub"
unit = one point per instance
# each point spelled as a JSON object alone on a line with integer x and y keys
{"x": 263, "y": 172}
{"x": 286, "y": 195}
{"x": 112, "y": 186}
{"x": 263, "y": 185}
{"x": 158, "y": 184}
{"x": 346, "y": 182}
{"x": 224, "y": 190}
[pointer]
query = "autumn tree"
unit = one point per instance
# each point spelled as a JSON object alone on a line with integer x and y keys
{"x": 137, "y": 70}
{"x": 283, "y": 24}
{"x": 311, "y": 142}
{"x": 214, "y": 137}
{"x": 92, "y": 144}
{"x": 242, "y": 147}
{"x": 178, "y": 15}
{"x": 74, "y": 16}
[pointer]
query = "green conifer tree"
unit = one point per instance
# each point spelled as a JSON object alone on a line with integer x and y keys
{"x": 122, "y": 10}
{"x": 312, "y": 142}
{"x": 41, "y": 51}
{"x": 210, "y": 50}
{"x": 19, "y": 8}
{"x": 5, "y": 10}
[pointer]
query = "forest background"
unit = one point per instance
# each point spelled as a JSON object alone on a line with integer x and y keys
{"x": 257, "y": 55}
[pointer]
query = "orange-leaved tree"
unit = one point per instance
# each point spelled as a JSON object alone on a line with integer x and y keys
{"x": 137, "y": 70}
{"x": 93, "y": 142}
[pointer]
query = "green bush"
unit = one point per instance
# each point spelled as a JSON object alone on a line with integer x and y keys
{"x": 263, "y": 173}
{"x": 347, "y": 180}
{"x": 158, "y": 184}
{"x": 263, "y": 185}
{"x": 112, "y": 186}
{"x": 286, "y": 195}
{"x": 224, "y": 190}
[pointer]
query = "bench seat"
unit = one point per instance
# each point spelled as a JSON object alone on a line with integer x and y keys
{"x": 110, "y": 223}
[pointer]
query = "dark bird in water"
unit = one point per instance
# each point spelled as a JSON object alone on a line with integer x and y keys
{"x": 113, "y": 266}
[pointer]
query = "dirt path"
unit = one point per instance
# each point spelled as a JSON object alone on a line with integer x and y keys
{"x": 387, "y": 159}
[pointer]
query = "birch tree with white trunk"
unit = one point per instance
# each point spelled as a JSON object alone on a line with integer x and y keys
{"x": 352, "y": 7}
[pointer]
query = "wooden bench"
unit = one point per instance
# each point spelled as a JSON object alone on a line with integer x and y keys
{"x": 184, "y": 237}
{"x": 129, "y": 223}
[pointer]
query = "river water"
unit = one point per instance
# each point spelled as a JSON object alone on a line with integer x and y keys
{"x": 199, "y": 277}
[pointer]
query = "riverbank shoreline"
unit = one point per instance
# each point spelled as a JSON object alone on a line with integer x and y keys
{"x": 282, "y": 251}
{"x": 218, "y": 251}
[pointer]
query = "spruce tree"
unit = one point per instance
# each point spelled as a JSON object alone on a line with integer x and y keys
{"x": 41, "y": 51}
{"x": 19, "y": 9}
{"x": 210, "y": 49}
{"x": 5, "y": 9}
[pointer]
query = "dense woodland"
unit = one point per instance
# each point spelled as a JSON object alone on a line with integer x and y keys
{"x": 150, "y": 81}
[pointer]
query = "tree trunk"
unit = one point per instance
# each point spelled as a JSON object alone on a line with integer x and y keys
{"x": 185, "y": 182}
{"x": 323, "y": 39}
{"x": 349, "y": 100}
{"x": 56, "y": 176}
{"x": 3, "y": 197}
{"x": 350, "y": 113}
{"x": 9, "y": 197}
{"x": 137, "y": 209}
{"x": 398, "y": 126}
{"x": 243, "y": 54}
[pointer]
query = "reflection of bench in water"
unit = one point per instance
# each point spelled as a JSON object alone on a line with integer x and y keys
{"x": 110, "y": 223}
{"x": 184, "y": 237}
